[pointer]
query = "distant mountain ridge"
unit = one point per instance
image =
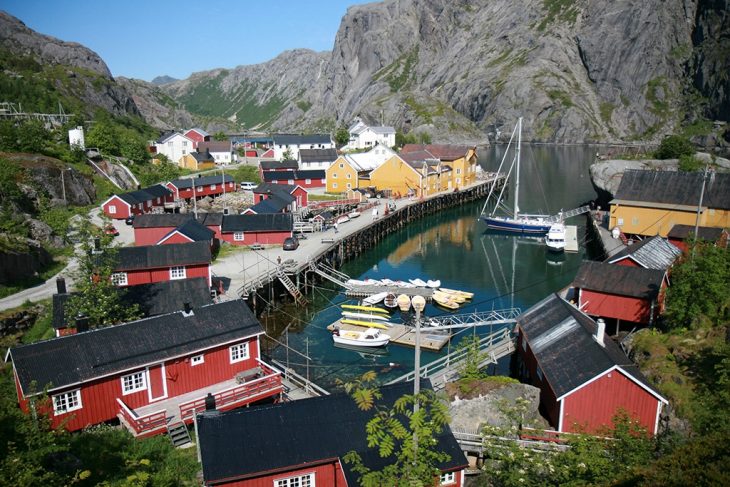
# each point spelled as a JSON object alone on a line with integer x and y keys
{"x": 162, "y": 80}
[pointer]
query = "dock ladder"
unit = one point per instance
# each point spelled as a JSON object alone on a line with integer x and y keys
{"x": 291, "y": 287}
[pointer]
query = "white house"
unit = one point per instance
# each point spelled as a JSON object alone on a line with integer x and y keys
{"x": 363, "y": 136}
{"x": 174, "y": 146}
{"x": 294, "y": 143}
{"x": 221, "y": 150}
{"x": 312, "y": 159}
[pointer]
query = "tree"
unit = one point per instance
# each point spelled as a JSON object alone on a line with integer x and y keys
{"x": 392, "y": 430}
{"x": 220, "y": 136}
{"x": 674, "y": 147}
{"x": 342, "y": 136}
{"x": 473, "y": 357}
{"x": 287, "y": 155}
{"x": 104, "y": 136}
{"x": 133, "y": 148}
{"x": 32, "y": 136}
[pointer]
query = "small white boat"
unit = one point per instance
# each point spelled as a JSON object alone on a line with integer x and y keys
{"x": 390, "y": 301}
{"x": 375, "y": 298}
{"x": 387, "y": 282}
{"x": 404, "y": 284}
{"x": 417, "y": 282}
{"x": 364, "y": 316}
{"x": 353, "y": 214}
{"x": 356, "y": 282}
{"x": 367, "y": 338}
{"x": 555, "y": 238}
{"x": 404, "y": 302}
{"x": 433, "y": 284}
{"x": 372, "y": 282}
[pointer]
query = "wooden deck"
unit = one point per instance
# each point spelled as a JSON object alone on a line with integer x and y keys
{"x": 571, "y": 238}
{"x": 405, "y": 335}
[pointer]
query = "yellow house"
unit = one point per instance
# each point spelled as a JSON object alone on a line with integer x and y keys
{"x": 351, "y": 171}
{"x": 461, "y": 158}
{"x": 197, "y": 161}
{"x": 400, "y": 177}
{"x": 651, "y": 202}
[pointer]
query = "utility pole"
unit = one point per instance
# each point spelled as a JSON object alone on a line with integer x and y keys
{"x": 419, "y": 303}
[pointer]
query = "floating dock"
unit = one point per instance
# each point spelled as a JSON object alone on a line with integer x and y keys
{"x": 571, "y": 238}
{"x": 365, "y": 291}
{"x": 406, "y": 335}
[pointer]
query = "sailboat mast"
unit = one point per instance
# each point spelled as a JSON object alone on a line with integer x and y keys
{"x": 517, "y": 179}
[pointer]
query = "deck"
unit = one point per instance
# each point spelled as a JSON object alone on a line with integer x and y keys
{"x": 365, "y": 291}
{"x": 406, "y": 335}
{"x": 571, "y": 238}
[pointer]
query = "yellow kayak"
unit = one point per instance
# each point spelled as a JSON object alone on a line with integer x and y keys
{"x": 465, "y": 294}
{"x": 366, "y": 324}
{"x": 372, "y": 309}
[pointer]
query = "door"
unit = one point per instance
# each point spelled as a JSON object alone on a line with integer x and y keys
{"x": 157, "y": 387}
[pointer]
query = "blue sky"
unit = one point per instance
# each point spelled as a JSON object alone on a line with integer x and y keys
{"x": 143, "y": 39}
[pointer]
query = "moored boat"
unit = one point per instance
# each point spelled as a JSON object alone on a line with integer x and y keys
{"x": 365, "y": 316}
{"x": 367, "y": 338}
{"x": 433, "y": 284}
{"x": 375, "y": 298}
{"x": 367, "y": 309}
{"x": 404, "y": 302}
{"x": 555, "y": 238}
{"x": 417, "y": 282}
{"x": 353, "y": 214}
{"x": 445, "y": 301}
{"x": 449, "y": 296}
{"x": 465, "y": 294}
{"x": 390, "y": 301}
{"x": 383, "y": 325}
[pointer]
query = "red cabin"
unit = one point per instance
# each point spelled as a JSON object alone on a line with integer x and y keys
{"x": 297, "y": 195}
{"x": 585, "y": 379}
{"x": 197, "y": 135}
{"x": 302, "y": 443}
{"x": 314, "y": 178}
{"x": 651, "y": 253}
{"x": 147, "y": 379}
{"x": 150, "y": 229}
{"x": 271, "y": 228}
{"x": 122, "y": 206}
{"x": 158, "y": 263}
{"x": 679, "y": 234}
{"x": 201, "y": 187}
{"x": 275, "y": 166}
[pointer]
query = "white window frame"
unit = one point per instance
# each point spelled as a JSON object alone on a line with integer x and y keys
{"x": 290, "y": 181}
{"x": 334, "y": 175}
{"x": 119, "y": 278}
{"x": 175, "y": 272}
{"x": 238, "y": 352}
{"x": 324, "y": 181}
{"x": 448, "y": 478}
{"x": 297, "y": 481}
{"x": 212, "y": 187}
{"x": 197, "y": 360}
{"x": 238, "y": 236}
{"x": 113, "y": 209}
{"x": 62, "y": 400}
{"x": 334, "y": 185}
{"x": 307, "y": 181}
{"x": 134, "y": 382}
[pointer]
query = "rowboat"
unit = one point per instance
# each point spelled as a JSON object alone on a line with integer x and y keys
{"x": 365, "y": 316}
{"x": 404, "y": 302}
{"x": 383, "y": 325}
{"x": 465, "y": 294}
{"x": 370, "y": 309}
{"x": 390, "y": 301}
{"x": 433, "y": 284}
{"x": 445, "y": 301}
{"x": 375, "y": 298}
{"x": 453, "y": 297}
{"x": 367, "y": 338}
{"x": 417, "y": 282}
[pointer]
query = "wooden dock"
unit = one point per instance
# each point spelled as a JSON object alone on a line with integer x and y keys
{"x": 571, "y": 238}
{"x": 365, "y": 291}
{"x": 405, "y": 335}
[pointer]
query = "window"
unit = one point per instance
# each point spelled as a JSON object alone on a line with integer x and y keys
{"x": 133, "y": 383}
{"x": 67, "y": 401}
{"x": 349, "y": 185}
{"x": 177, "y": 272}
{"x": 238, "y": 236}
{"x": 448, "y": 478}
{"x": 458, "y": 180}
{"x": 334, "y": 185}
{"x": 112, "y": 209}
{"x": 290, "y": 181}
{"x": 197, "y": 360}
{"x": 184, "y": 151}
{"x": 299, "y": 481}
{"x": 324, "y": 181}
{"x": 334, "y": 175}
{"x": 349, "y": 176}
{"x": 119, "y": 278}
{"x": 169, "y": 144}
{"x": 458, "y": 170}
{"x": 635, "y": 221}
{"x": 200, "y": 188}
{"x": 212, "y": 187}
{"x": 307, "y": 181}
{"x": 238, "y": 352}
{"x": 342, "y": 166}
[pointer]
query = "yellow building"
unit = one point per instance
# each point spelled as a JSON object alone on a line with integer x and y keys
{"x": 197, "y": 161}
{"x": 351, "y": 171}
{"x": 399, "y": 177}
{"x": 650, "y": 203}
{"x": 462, "y": 160}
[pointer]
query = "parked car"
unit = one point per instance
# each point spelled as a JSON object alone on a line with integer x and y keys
{"x": 111, "y": 230}
{"x": 291, "y": 243}
{"x": 129, "y": 220}
{"x": 248, "y": 185}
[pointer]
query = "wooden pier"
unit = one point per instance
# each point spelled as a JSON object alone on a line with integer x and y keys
{"x": 571, "y": 238}
{"x": 365, "y": 291}
{"x": 405, "y": 335}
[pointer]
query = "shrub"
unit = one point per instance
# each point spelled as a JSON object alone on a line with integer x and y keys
{"x": 674, "y": 147}
{"x": 689, "y": 163}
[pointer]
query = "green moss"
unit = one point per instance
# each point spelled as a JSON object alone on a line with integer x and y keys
{"x": 421, "y": 110}
{"x": 560, "y": 96}
{"x": 500, "y": 59}
{"x": 606, "y": 110}
{"x": 698, "y": 128}
{"x": 304, "y": 105}
{"x": 398, "y": 73}
{"x": 681, "y": 51}
{"x": 558, "y": 11}
{"x": 657, "y": 92}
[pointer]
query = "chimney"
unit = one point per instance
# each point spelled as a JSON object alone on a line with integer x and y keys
{"x": 188, "y": 310}
{"x": 82, "y": 324}
{"x": 209, "y": 402}
{"x": 600, "y": 331}
{"x": 97, "y": 246}
{"x": 60, "y": 285}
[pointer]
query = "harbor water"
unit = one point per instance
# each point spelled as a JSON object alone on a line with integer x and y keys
{"x": 502, "y": 270}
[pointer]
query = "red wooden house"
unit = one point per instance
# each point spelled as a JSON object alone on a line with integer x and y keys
{"x": 269, "y": 228}
{"x": 651, "y": 253}
{"x": 187, "y": 188}
{"x": 158, "y": 263}
{"x": 585, "y": 379}
{"x": 313, "y": 178}
{"x": 190, "y": 231}
{"x": 197, "y": 135}
{"x": 284, "y": 191}
{"x": 632, "y": 295}
{"x": 276, "y": 166}
{"x": 146, "y": 379}
{"x": 150, "y": 229}
{"x": 679, "y": 234}
{"x": 302, "y": 443}
{"x": 138, "y": 202}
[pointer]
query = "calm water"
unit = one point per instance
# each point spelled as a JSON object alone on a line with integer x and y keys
{"x": 502, "y": 271}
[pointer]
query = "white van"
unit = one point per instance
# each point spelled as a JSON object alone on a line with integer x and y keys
{"x": 248, "y": 185}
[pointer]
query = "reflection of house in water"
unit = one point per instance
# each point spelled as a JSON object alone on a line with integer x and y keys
{"x": 455, "y": 232}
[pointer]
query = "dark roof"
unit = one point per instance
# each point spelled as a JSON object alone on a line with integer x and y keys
{"x": 156, "y": 220}
{"x": 154, "y": 256}
{"x": 445, "y": 152}
{"x": 317, "y": 155}
{"x": 202, "y": 157}
{"x": 264, "y": 188}
{"x": 277, "y": 222}
{"x": 145, "y": 194}
{"x": 651, "y": 253}
{"x": 194, "y": 231}
{"x": 290, "y": 435}
{"x": 562, "y": 339}
{"x": 302, "y": 139}
{"x": 274, "y": 165}
{"x": 683, "y": 232}
{"x": 157, "y": 190}
{"x": 294, "y": 175}
{"x": 273, "y": 204}
{"x": 215, "y": 146}
{"x": 184, "y": 183}
{"x": 622, "y": 280}
{"x": 87, "y": 356}
{"x": 210, "y": 219}
{"x": 675, "y": 188}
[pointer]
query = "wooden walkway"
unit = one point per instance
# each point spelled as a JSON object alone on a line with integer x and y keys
{"x": 571, "y": 238}
{"x": 365, "y": 291}
{"x": 405, "y": 335}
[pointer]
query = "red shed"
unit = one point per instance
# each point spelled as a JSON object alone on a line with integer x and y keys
{"x": 186, "y": 188}
{"x": 679, "y": 234}
{"x": 122, "y": 206}
{"x": 197, "y": 135}
{"x": 275, "y": 166}
{"x": 299, "y": 444}
{"x": 651, "y": 253}
{"x": 146, "y": 379}
{"x": 313, "y": 178}
{"x": 584, "y": 377}
{"x": 290, "y": 192}
{"x": 157, "y": 263}
{"x": 269, "y": 228}
{"x": 190, "y": 231}
{"x": 622, "y": 293}
{"x": 151, "y": 228}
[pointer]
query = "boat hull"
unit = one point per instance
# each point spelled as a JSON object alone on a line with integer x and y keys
{"x": 516, "y": 226}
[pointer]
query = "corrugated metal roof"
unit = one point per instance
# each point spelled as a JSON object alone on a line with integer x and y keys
{"x": 675, "y": 188}
{"x": 651, "y": 253}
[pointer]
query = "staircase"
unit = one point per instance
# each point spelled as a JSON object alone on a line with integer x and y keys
{"x": 330, "y": 273}
{"x": 291, "y": 287}
{"x": 178, "y": 434}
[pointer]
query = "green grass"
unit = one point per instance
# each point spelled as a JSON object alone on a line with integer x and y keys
{"x": 560, "y": 96}
{"x": 399, "y": 72}
{"x": 304, "y": 105}
{"x": 500, "y": 59}
{"x": 700, "y": 127}
{"x": 324, "y": 197}
{"x": 606, "y": 110}
{"x": 657, "y": 92}
{"x": 558, "y": 11}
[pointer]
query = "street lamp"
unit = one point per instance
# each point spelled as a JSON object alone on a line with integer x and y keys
{"x": 419, "y": 303}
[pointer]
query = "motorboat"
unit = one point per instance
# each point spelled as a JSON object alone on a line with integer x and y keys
{"x": 404, "y": 284}
{"x": 375, "y": 298}
{"x": 356, "y": 282}
{"x": 555, "y": 238}
{"x": 366, "y": 338}
{"x": 404, "y": 302}
{"x": 366, "y": 309}
{"x": 465, "y": 294}
{"x": 417, "y": 282}
{"x": 390, "y": 301}
{"x": 433, "y": 284}
{"x": 342, "y": 219}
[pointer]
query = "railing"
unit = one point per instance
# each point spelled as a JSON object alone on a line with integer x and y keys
{"x": 237, "y": 394}
{"x": 142, "y": 424}
{"x": 302, "y": 382}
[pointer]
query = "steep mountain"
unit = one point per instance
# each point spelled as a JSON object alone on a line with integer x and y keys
{"x": 157, "y": 107}
{"x": 577, "y": 70}
{"x": 161, "y": 80}
{"x": 39, "y": 72}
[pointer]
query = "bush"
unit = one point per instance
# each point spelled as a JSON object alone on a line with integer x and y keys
{"x": 674, "y": 147}
{"x": 689, "y": 163}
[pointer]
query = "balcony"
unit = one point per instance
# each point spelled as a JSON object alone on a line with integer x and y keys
{"x": 262, "y": 382}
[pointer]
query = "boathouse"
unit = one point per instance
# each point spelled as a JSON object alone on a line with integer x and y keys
{"x": 312, "y": 178}
{"x": 296, "y": 196}
{"x": 190, "y": 231}
{"x": 149, "y": 229}
{"x": 157, "y": 263}
{"x": 651, "y": 253}
{"x": 148, "y": 373}
{"x": 316, "y": 158}
{"x": 302, "y": 443}
{"x": 267, "y": 228}
{"x": 680, "y": 234}
{"x": 187, "y": 188}
{"x": 277, "y": 166}
{"x": 138, "y": 202}
{"x": 585, "y": 379}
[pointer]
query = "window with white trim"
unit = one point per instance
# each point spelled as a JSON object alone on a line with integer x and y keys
{"x": 238, "y": 352}
{"x": 112, "y": 209}
{"x": 197, "y": 360}
{"x": 133, "y": 383}
{"x": 334, "y": 185}
{"x": 290, "y": 181}
{"x": 67, "y": 401}
{"x": 342, "y": 166}
{"x": 119, "y": 278}
{"x": 200, "y": 189}
{"x": 307, "y": 181}
{"x": 177, "y": 272}
{"x": 448, "y": 478}
{"x": 212, "y": 187}
{"x": 349, "y": 176}
{"x": 238, "y": 236}
{"x": 298, "y": 481}
{"x": 458, "y": 170}
{"x": 334, "y": 175}
{"x": 324, "y": 181}
{"x": 349, "y": 185}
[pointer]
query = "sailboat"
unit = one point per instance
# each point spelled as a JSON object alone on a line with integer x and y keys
{"x": 516, "y": 221}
